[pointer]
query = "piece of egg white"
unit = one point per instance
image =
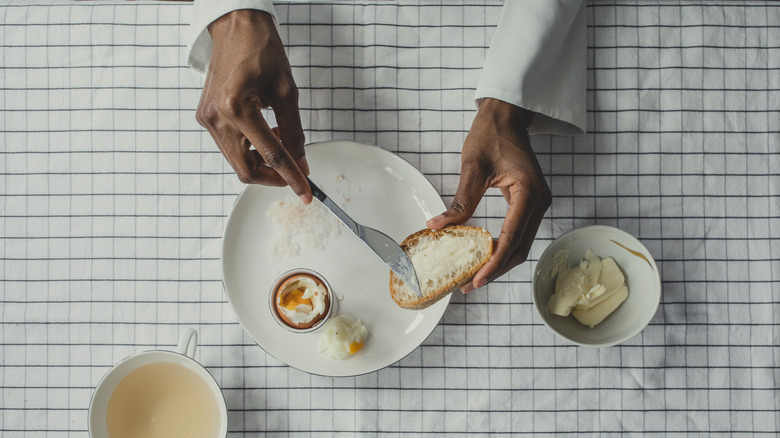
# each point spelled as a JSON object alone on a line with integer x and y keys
{"x": 342, "y": 337}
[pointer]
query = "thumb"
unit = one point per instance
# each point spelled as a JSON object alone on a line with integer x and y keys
{"x": 471, "y": 187}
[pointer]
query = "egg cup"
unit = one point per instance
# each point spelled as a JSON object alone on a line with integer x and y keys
{"x": 330, "y": 300}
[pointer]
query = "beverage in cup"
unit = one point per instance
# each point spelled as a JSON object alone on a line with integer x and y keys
{"x": 161, "y": 394}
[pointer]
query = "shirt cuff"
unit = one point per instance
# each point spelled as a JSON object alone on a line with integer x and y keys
{"x": 537, "y": 61}
{"x": 205, "y": 12}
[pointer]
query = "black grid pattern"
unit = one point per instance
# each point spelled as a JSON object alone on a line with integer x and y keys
{"x": 113, "y": 200}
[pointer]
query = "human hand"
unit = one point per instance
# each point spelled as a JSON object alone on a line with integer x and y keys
{"x": 249, "y": 71}
{"x": 497, "y": 153}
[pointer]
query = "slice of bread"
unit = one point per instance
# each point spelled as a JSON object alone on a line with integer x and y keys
{"x": 444, "y": 261}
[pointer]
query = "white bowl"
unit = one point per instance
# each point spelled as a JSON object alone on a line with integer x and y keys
{"x": 639, "y": 269}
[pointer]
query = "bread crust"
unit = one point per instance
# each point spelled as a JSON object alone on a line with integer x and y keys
{"x": 396, "y": 285}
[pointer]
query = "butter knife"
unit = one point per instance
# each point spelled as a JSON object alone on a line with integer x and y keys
{"x": 379, "y": 242}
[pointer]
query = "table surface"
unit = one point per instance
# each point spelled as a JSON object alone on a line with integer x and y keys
{"x": 113, "y": 201}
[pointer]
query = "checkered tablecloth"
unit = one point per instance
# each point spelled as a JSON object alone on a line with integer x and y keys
{"x": 113, "y": 202}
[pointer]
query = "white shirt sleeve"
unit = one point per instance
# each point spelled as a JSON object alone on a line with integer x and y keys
{"x": 205, "y": 12}
{"x": 537, "y": 61}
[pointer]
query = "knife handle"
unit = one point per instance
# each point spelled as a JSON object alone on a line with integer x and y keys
{"x": 316, "y": 191}
{"x": 340, "y": 214}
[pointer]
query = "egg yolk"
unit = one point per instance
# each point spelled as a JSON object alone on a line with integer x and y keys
{"x": 355, "y": 347}
{"x": 294, "y": 299}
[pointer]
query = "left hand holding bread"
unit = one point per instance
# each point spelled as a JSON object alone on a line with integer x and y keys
{"x": 497, "y": 153}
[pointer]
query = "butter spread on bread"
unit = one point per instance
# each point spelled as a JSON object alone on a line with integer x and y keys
{"x": 444, "y": 260}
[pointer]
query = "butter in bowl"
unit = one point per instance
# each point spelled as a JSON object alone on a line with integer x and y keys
{"x": 596, "y": 286}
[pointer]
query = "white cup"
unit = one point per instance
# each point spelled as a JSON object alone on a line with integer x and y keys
{"x": 184, "y": 356}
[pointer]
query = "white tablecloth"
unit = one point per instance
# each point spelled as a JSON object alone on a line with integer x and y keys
{"x": 113, "y": 201}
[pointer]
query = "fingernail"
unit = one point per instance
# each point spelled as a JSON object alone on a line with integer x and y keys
{"x": 433, "y": 220}
{"x": 306, "y": 199}
{"x": 467, "y": 288}
{"x": 478, "y": 284}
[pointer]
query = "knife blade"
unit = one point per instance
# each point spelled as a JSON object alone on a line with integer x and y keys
{"x": 380, "y": 243}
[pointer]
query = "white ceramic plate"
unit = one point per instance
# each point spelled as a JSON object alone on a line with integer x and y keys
{"x": 642, "y": 279}
{"x": 385, "y": 192}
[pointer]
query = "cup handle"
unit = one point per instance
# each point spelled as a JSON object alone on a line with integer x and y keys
{"x": 188, "y": 342}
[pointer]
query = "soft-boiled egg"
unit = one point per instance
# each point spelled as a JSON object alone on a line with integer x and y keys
{"x": 302, "y": 300}
{"x": 342, "y": 337}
